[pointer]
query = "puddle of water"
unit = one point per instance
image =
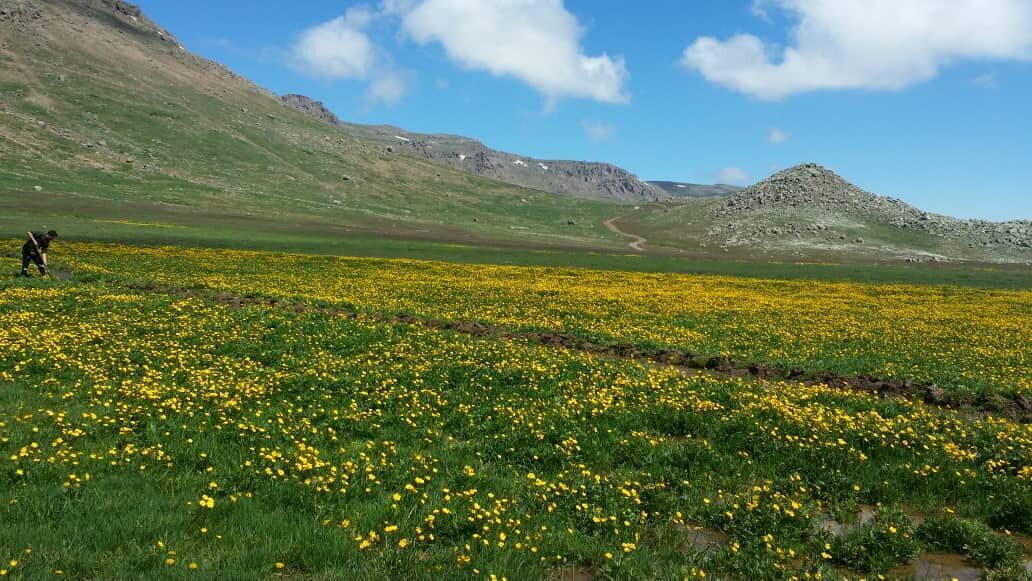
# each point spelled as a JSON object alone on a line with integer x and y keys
{"x": 938, "y": 566}
{"x": 1026, "y": 543}
{"x": 828, "y": 524}
{"x": 866, "y": 515}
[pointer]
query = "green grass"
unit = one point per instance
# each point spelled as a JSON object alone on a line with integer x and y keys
{"x": 532, "y": 443}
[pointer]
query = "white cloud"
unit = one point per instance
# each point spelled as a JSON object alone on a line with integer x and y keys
{"x": 338, "y": 49}
{"x": 598, "y": 132}
{"x": 734, "y": 175}
{"x": 777, "y": 136}
{"x": 536, "y": 41}
{"x": 388, "y": 90}
{"x": 864, "y": 44}
{"x": 341, "y": 49}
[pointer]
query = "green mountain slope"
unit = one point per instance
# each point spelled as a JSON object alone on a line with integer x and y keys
{"x": 107, "y": 123}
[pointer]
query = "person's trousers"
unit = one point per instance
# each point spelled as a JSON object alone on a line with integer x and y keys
{"x": 32, "y": 256}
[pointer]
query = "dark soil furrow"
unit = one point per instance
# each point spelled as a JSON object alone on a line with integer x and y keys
{"x": 1015, "y": 406}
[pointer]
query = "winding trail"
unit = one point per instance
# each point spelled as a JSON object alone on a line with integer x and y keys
{"x": 639, "y": 242}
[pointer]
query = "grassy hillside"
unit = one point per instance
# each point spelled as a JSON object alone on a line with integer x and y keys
{"x": 103, "y": 120}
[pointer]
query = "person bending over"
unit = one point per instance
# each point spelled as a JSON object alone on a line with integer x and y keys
{"x": 35, "y": 250}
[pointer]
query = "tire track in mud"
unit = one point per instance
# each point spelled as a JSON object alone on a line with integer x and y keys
{"x": 1015, "y": 407}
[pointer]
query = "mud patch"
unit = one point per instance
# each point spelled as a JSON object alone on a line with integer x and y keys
{"x": 702, "y": 540}
{"x": 938, "y": 566}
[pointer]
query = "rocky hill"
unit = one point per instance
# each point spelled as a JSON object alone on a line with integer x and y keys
{"x": 685, "y": 190}
{"x": 581, "y": 179}
{"x": 812, "y": 204}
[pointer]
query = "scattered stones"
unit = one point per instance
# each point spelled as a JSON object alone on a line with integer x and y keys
{"x": 20, "y": 12}
{"x": 38, "y": 188}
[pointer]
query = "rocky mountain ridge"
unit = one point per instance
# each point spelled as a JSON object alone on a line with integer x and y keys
{"x": 581, "y": 179}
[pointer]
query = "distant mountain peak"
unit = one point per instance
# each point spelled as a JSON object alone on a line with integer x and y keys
{"x": 689, "y": 190}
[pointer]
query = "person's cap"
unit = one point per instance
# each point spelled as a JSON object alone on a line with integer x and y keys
{"x": 52, "y": 233}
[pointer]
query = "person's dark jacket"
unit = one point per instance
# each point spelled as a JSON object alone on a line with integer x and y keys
{"x": 41, "y": 239}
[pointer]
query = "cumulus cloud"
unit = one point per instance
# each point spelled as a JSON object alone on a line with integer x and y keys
{"x": 338, "y": 49}
{"x": 598, "y": 132}
{"x": 864, "y": 44}
{"x": 734, "y": 175}
{"x": 342, "y": 49}
{"x": 777, "y": 136}
{"x": 535, "y": 41}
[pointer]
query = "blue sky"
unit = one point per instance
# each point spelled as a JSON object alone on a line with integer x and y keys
{"x": 927, "y": 102}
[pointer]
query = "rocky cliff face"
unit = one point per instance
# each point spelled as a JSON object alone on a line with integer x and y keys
{"x": 313, "y": 108}
{"x": 573, "y": 178}
{"x": 810, "y": 202}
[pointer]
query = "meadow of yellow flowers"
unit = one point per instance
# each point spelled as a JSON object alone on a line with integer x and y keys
{"x": 149, "y": 435}
{"x": 961, "y": 338}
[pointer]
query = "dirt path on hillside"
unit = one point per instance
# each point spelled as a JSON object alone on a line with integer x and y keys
{"x": 639, "y": 242}
{"x": 1015, "y": 406}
